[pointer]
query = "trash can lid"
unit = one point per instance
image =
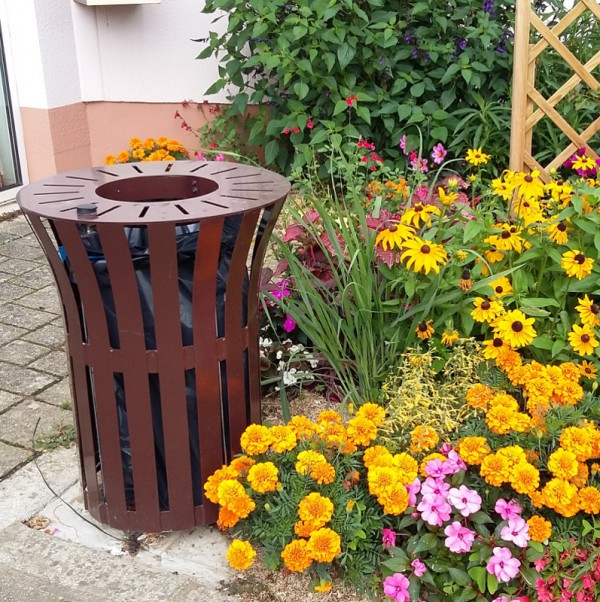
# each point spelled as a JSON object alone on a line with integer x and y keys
{"x": 158, "y": 191}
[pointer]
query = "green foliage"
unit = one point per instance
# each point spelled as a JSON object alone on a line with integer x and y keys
{"x": 434, "y": 64}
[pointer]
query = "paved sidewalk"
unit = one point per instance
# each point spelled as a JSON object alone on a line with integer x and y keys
{"x": 55, "y": 555}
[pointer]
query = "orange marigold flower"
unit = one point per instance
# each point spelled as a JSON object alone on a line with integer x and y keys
{"x": 242, "y": 465}
{"x": 323, "y": 474}
{"x": 563, "y": 464}
{"x": 561, "y": 496}
{"x": 406, "y": 466}
{"x": 589, "y": 500}
{"x": 240, "y": 554}
{"x": 306, "y": 460}
{"x": 583, "y": 473}
{"x": 508, "y": 359}
{"x": 540, "y": 529}
{"x": 110, "y": 160}
{"x": 473, "y": 450}
{"x": 324, "y": 545}
{"x": 315, "y": 508}
{"x": 500, "y": 420}
{"x": 329, "y": 416}
{"x": 394, "y": 499}
{"x": 303, "y": 427}
{"x": 525, "y": 478}
{"x": 381, "y": 478}
{"x": 506, "y": 401}
{"x": 256, "y": 439}
{"x": 373, "y": 412}
{"x": 283, "y": 438}
{"x": 233, "y": 496}
{"x": 423, "y": 437}
{"x": 227, "y": 519}
{"x": 577, "y": 440}
{"x": 377, "y": 455}
{"x": 479, "y": 396}
{"x": 295, "y": 556}
{"x": 495, "y": 470}
{"x": 264, "y": 477}
{"x": 212, "y": 483}
{"x": 123, "y": 156}
{"x": 361, "y": 431}
{"x": 513, "y": 454}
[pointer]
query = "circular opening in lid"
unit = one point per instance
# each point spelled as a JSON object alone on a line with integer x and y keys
{"x": 154, "y": 189}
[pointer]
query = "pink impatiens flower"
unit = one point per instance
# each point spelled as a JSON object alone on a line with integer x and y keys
{"x": 388, "y": 537}
{"x": 503, "y": 565}
{"x": 395, "y": 587}
{"x": 438, "y": 154}
{"x": 454, "y": 463}
{"x": 507, "y": 509}
{"x": 419, "y": 567}
{"x": 435, "y": 487}
{"x": 459, "y": 539}
{"x": 435, "y": 510}
{"x": 289, "y": 324}
{"x": 516, "y": 531}
{"x": 465, "y": 500}
{"x": 413, "y": 489}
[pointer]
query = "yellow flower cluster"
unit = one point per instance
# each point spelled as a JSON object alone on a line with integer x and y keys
{"x": 423, "y": 438}
{"x": 161, "y": 149}
{"x": 387, "y": 476}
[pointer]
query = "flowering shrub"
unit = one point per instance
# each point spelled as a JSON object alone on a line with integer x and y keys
{"x": 429, "y": 256}
{"x": 304, "y": 63}
{"x": 161, "y": 149}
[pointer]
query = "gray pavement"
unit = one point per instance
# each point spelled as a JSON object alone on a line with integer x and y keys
{"x": 47, "y": 552}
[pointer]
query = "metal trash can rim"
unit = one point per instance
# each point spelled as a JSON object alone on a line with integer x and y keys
{"x": 150, "y": 192}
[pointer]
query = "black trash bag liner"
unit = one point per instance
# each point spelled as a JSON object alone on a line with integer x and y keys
{"x": 187, "y": 242}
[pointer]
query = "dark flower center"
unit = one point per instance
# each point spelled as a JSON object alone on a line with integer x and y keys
{"x": 418, "y": 207}
{"x": 425, "y": 249}
{"x": 517, "y": 326}
{"x": 528, "y": 178}
{"x": 422, "y": 327}
{"x": 499, "y": 289}
{"x": 513, "y": 229}
{"x": 560, "y": 182}
{"x": 595, "y": 308}
{"x": 497, "y": 342}
{"x": 505, "y": 234}
{"x": 561, "y": 226}
{"x": 466, "y": 275}
{"x": 585, "y": 338}
{"x": 579, "y": 258}
{"x": 393, "y": 228}
{"x": 526, "y": 204}
{"x": 485, "y": 305}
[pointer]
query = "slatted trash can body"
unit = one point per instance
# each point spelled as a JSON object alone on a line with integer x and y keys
{"x": 158, "y": 267}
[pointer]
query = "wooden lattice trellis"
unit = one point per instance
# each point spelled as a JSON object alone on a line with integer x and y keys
{"x": 529, "y": 106}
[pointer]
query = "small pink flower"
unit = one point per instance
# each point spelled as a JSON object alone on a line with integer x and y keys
{"x": 503, "y": 565}
{"x": 517, "y": 531}
{"x": 219, "y": 157}
{"x": 435, "y": 487}
{"x": 296, "y": 130}
{"x": 395, "y": 587}
{"x": 465, "y": 500}
{"x": 459, "y": 539}
{"x": 286, "y": 131}
{"x": 403, "y": 144}
{"x": 507, "y": 509}
{"x": 289, "y": 324}
{"x": 350, "y": 100}
{"x": 540, "y": 564}
{"x": 200, "y": 156}
{"x": 419, "y": 567}
{"x": 439, "y": 153}
{"x": 435, "y": 510}
{"x": 413, "y": 489}
{"x": 445, "y": 449}
{"x": 388, "y": 538}
{"x": 454, "y": 463}
{"x": 309, "y": 124}
{"x": 435, "y": 469}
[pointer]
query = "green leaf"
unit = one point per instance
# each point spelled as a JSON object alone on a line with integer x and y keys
{"x": 492, "y": 583}
{"x": 440, "y": 133}
{"x": 240, "y": 102}
{"x": 459, "y": 576}
{"x": 543, "y": 342}
{"x": 416, "y": 90}
{"x": 363, "y": 113}
{"x": 478, "y": 574}
{"x": 345, "y": 54}
{"x": 429, "y": 541}
{"x": 404, "y": 112}
{"x": 271, "y": 151}
{"x": 340, "y": 105}
{"x": 472, "y": 229}
{"x": 301, "y": 90}
{"x": 319, "y": 136}
{"x": 467, "y": 74}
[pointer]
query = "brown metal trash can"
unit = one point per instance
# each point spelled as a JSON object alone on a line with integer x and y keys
{"x": 158, "y": 267}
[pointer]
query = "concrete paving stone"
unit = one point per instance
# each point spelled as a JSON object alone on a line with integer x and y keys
{"x": 50, "y": 335}
{"x": 10, "y": 291}
{"x": 57, "y": 394}
{"x": 55, "y": 363}
{"x": 36, "y": 278}
{"x": 11, "y": 457}
{"x": 24, "y": 317}
{"x": 45, "y": 299}
{"x": 21, "y": 352}
{"x": 18, "y": 250}
{"x": 18, "y": 424}
{"x": 19, "y": 586}
{"x": 4, "y": 276}
{"x": 9, "y": 333}
{"x": 17, "y": 266}
{"x": 8, "y": 399}
{"x": 24, "y": 493}
{"x": 24, "y": 381}
{"x": 99, "y": 575}
{"x": 200, "y": 592}
{"x": 17, "y": 227}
